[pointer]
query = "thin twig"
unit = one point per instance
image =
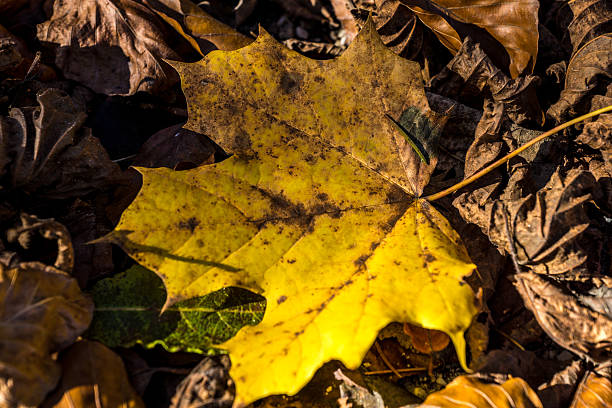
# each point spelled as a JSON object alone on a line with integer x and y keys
{"x": 385, "y": 360}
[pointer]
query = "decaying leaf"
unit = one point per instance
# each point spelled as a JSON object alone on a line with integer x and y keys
{"x": 351, "y": 392}
{"x": 551, "y": 230}
{"x": 208, "y": 385}
{"x": 570, "y": 324}
{"x": 42, "y": 311}
{"x": 48, "y": 153}
{"x": 128, "y": 307}
{"x": 466, "y": 391}
{"x": 594, "y": 391}
{"x": 116, "y": 46}
{"x": 92, "y": 376}
{"x": 513, "y": 23}
{"x": 337, "y": 254}
{"x": 471, "y": 72}
{"x": 588, "y": 74}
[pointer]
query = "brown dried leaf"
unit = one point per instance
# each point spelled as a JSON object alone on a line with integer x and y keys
{"x": 51, "y": 154}
{"x": 42, "y": 311}
{"x": 570, "y": 324}
{"x": 594, "y": 391}
{"x": 512, "y": 23}
{"x": 113, "y": 46}
{"x": 588, "y": 74}
{"x": 92, "y": 376}
{"x": 471, "y": 72}
{"x": 598, "y": 135}
{"x": 580, "y": 21}
{"x": 208, "y": 384}
{"x": 469, "y": 391}
{"x": 397, "y": 26}
{"x": 551, "y": 230}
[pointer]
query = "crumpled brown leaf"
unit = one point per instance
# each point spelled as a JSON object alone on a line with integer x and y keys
{"x": 469, "y": 391}
{"x": 595, "y": 391}
{"x": 92, "y": 376}
{"x": 352, "y": 392}
{"x": 48, "y": 229}
{"x": 471, "y": 72}
{"x": 512, "y": 23}
{"x": 589, "y": 73}
{"x": 42, "y": 311}
{"x": 551, "y": 230}
{"x": 579, "y": 21}
{"x": 208, "y": 385}
{"x": 571, "y": 325}
{"x": 115, "y": 47}
{"x": 47, "y": 152}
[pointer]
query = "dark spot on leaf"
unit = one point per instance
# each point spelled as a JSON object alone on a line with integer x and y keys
{"x": 281, "y": 299}
{"x": 291, "y": 261}
{"x": 290, "y": 82}
{"x": 190, "y": 224}
{"x": 322, "y": 196}
{"x": 429, "y": 258}
{"x": 278, "y": 324}
{"x": 258, "y": 332}
{"x": 361, "y": 260}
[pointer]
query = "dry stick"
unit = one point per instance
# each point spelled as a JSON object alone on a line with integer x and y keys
{"x": 518, "y": 151}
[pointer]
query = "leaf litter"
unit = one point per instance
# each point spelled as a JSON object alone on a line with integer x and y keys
{"x": 543, "y": 217}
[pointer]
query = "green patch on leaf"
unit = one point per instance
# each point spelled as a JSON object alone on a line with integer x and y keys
{"x": 128, "y": 311}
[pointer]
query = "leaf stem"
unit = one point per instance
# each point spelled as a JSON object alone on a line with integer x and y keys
{"x": 516, "y": 152}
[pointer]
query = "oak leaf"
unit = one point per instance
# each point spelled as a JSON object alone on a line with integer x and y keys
{"x": 317, "y": 209}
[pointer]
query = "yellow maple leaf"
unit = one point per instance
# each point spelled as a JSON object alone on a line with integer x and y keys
{"x": 317, "y": 210}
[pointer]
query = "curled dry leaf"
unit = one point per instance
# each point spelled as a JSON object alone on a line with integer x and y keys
{"x": 48, "y": 229}
{"x": 594, "y": 391}
{"x": 48, "y": 153}
{"x": 272, "y": 218}
{"x": 512, "y": 23}
{"x": 588, "y": 73}
{"x": 92, "y": 376}
{"x": 471, "y": 72}
{"x": 396, "y": 24}
{"x": 42, "y": 311}
{"x": 580, "y": 21}
{"x": 208, "y": 385}
{"x": 570, "y": 324}
{"x": 471, "y": 392}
